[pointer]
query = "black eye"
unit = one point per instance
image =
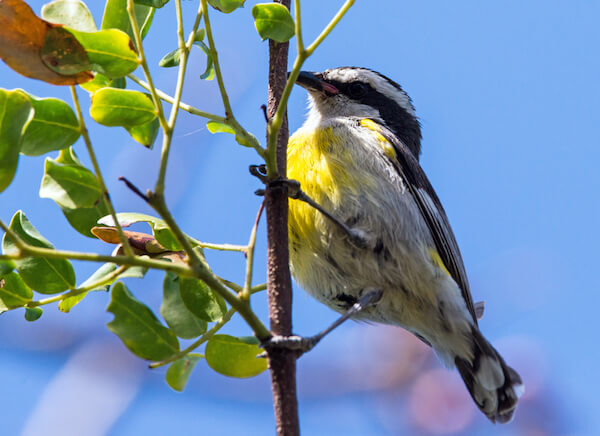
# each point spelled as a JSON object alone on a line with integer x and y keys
{"x": 357, "y": 90}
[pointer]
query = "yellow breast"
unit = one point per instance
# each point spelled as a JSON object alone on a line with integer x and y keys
{"x": 318, "y": 160}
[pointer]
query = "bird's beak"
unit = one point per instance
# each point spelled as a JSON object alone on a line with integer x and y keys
{"x": 315, "y": 82}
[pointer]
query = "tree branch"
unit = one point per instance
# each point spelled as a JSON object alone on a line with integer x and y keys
{"x": 282, "y": 362}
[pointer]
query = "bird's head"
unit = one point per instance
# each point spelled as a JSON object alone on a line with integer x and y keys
{"x": 362, "y": 93}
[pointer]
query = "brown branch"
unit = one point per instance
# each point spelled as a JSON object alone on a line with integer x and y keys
{"x": 282, "y": 362}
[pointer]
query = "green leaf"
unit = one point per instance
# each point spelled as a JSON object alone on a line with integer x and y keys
{"x": 171, "y": 59}
{"x": 160, "y": 230}
{"x": 273, "y": 21}
{"x": 15, "y": 113}
{"x": 180, "y": 370}
{"x": 110, "y": 51}
{"x": 6, "y": 266}
{"x": 179, "y": 319}
{"x": 226, "y": 6}
{"x": 70, "y": 186}
{"x": 84, "y": 218}
{"x": 201, "y": 300}
{"x": 46, "y": 276}
{"x": 116, "y": 17}
{"x": 54, "y": 126}
{"x": 153, "y": 3}
{"x": 70, "y": 13}
{"x": 234, "y": 357}
{"x": 137, "y": 326}
{"x": 33, "y": 313}
{"x": 14, "y": 292}
{"x": 101, "y": 81}
{"x": 146, "y": 133}
{"x": 121, "y": 107}
{"x": 209, "y": 72}
{"x": 216, "y": 127}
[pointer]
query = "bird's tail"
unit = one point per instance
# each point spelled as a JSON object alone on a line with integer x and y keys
{"x": 494, "y": 386}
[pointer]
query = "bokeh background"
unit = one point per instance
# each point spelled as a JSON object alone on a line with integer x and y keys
{"x": 508, "y": 95}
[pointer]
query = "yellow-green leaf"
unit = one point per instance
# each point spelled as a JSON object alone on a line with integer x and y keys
{"x": 121, "y": 107}
{"x": 180, "y": 370}
{"x": 235, "y": 357}
{"x": 273, "y": 21}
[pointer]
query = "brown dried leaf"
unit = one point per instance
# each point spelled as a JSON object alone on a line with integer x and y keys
{"x": 142, "y": 242}
{"x": 22, "y": 37}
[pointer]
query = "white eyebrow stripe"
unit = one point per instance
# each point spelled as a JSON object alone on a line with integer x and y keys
{"x": 376, "y": 82}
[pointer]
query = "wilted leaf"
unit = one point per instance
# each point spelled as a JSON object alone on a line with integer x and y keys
{"x": 201, "y": 300}
{"x": 121, "y": 107}
{"x": 13, "y": 291}
{"x": 70, "y": 13}
{"x": 22, "y": 38}
{"x": 47, "y": 276}
{"x": 33, "y": 313}
{"x": 183, "y": 322}
{"x": 70, "y": 186}
{"x": 16, "y": 114}
{"x": 180, "y": 370}
{"x": 226, "y": 6}
{"x": 234, "y": 357}
{"x": 161, "y": 231}
{"x": 138, "y": 328}
{"x": 146, "y": 133}
{"x": 63, "y": 53}
{"x": 273, "y": 21}
{"x": 142, "y": 243}
{"x": 54, "y": 126}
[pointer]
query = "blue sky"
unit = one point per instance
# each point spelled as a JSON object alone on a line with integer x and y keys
{"x": 507, "y": 94}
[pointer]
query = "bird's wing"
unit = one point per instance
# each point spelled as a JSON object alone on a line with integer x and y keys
{"x": 433, "y": 213}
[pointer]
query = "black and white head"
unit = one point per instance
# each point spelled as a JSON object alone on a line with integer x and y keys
{"x": 363, "y": 93}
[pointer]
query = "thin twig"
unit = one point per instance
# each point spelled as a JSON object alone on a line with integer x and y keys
{"x": 77, "y": 291}
{"x": 250, "y": 255}
{"x": 98, "y": 173}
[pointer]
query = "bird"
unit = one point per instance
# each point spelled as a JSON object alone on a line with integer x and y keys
{"x": 384, "y": 230}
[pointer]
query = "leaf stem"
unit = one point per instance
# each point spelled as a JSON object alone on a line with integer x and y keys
{"x": 245, "y": 294}
{"x": 77, "y": 291}
{"x": 215, "y": 58}
{"x": 98, "y": 173}
{"x": 334, "y": 22}
{"x": 186, "y": 107}
{"x": 202, "y": 339}
{"x": 144, "y": 64}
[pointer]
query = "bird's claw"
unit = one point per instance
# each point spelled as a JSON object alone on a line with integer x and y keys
{"x": 260, "y": 172}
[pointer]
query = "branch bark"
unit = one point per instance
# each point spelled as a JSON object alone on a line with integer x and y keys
{"x": 282, "y": 362}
